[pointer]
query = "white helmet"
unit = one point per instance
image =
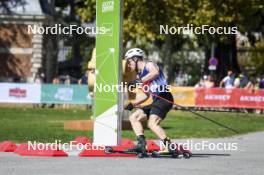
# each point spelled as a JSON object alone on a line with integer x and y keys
{"x": 134, "y": 52}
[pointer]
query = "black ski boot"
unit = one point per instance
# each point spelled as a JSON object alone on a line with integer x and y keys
{"x": 140, "y": 148}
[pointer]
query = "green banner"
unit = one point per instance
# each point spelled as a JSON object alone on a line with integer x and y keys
{"x": 108, "y": 69}
{"x": 72, "y": 94}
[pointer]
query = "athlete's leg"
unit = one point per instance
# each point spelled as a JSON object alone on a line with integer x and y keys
{"x": 153, "y": 124}
{"x": 135, "y": 119}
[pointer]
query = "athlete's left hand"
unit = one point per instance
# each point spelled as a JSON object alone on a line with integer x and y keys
{"x": 129, "y": 106}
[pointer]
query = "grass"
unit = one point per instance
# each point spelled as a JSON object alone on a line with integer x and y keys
{"x": 180, "y": 124}
{"x": 46, "y": 125}
{"x": 43, "y": 125}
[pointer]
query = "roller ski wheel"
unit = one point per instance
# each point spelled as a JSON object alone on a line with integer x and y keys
{"x": 176, "y": 155}
{"x": 108, "y": 150}
{"x": 154, "y": 154}
{"x": 141, "y": 155}
{"x": 187, "y": 155}
{"x": 185, "y": 152}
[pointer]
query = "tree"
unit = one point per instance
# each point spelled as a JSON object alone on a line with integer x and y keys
{"x": 233, "y": 13}
{"x": 257, "y": 58}
{"x": 142, "y": 20}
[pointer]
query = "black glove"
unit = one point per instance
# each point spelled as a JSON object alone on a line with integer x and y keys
{"x": 129, "y": 107}
{"x": 133, "y": 83}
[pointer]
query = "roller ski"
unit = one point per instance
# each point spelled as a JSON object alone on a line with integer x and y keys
{"x": 179, "y": 152}
{"x": 168, "y": 151}
{"x": 135, "y": 151}
{"x": 109, "y": 150}
{"x": 141, "y": 150}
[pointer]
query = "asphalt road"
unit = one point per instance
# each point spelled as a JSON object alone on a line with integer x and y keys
{"x": 247, "y": 159}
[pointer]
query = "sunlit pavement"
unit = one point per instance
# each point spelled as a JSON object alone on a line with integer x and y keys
{"x": 247, "y": 159}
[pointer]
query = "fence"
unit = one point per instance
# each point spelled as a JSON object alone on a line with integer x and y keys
{"x": 79, "y": 94}
{"x": 219, "y": 98}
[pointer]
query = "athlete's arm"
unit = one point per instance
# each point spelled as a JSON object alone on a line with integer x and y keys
{"x": 142, "y": 99}
{"x": 153, "y": 72}
{"x": 137, "y": 103}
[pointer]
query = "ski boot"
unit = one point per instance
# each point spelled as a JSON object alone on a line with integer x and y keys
{"x": 167, "y": 150}
{"x": 140, "y": 148}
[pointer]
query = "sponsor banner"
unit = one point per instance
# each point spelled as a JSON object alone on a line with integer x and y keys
{"x": 214, "y": 97}
{"x": 44, "y": 93}
{"x": 19, "y": 93}
{"x": 234, "y": 98}
{"x": 183, "y": 96}
{"x": 72, "y": 94}
{"x": 250, "y": 99}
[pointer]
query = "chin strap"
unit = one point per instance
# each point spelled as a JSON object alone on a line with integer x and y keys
{"x": 136, "y": 62}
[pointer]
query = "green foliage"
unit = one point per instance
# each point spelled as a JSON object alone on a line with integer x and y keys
{"x": 257, "y": 58}
{"x": 142, "y": 20}
{"x": 69, "y": 55}
{"x": 87, "y": 13}
{"x": 86, "y": 45}
{"x": 87, "y": 55}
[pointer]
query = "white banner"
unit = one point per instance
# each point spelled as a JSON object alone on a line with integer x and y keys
{"x": 20, "y": 93}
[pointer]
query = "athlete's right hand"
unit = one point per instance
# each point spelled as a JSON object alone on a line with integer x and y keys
{"x": 129, "y": 106}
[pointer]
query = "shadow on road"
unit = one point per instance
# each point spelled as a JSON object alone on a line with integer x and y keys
{"x": 205, "y": 155}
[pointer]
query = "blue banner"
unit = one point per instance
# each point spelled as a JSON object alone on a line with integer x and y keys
{"x": 60, "y": 94}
